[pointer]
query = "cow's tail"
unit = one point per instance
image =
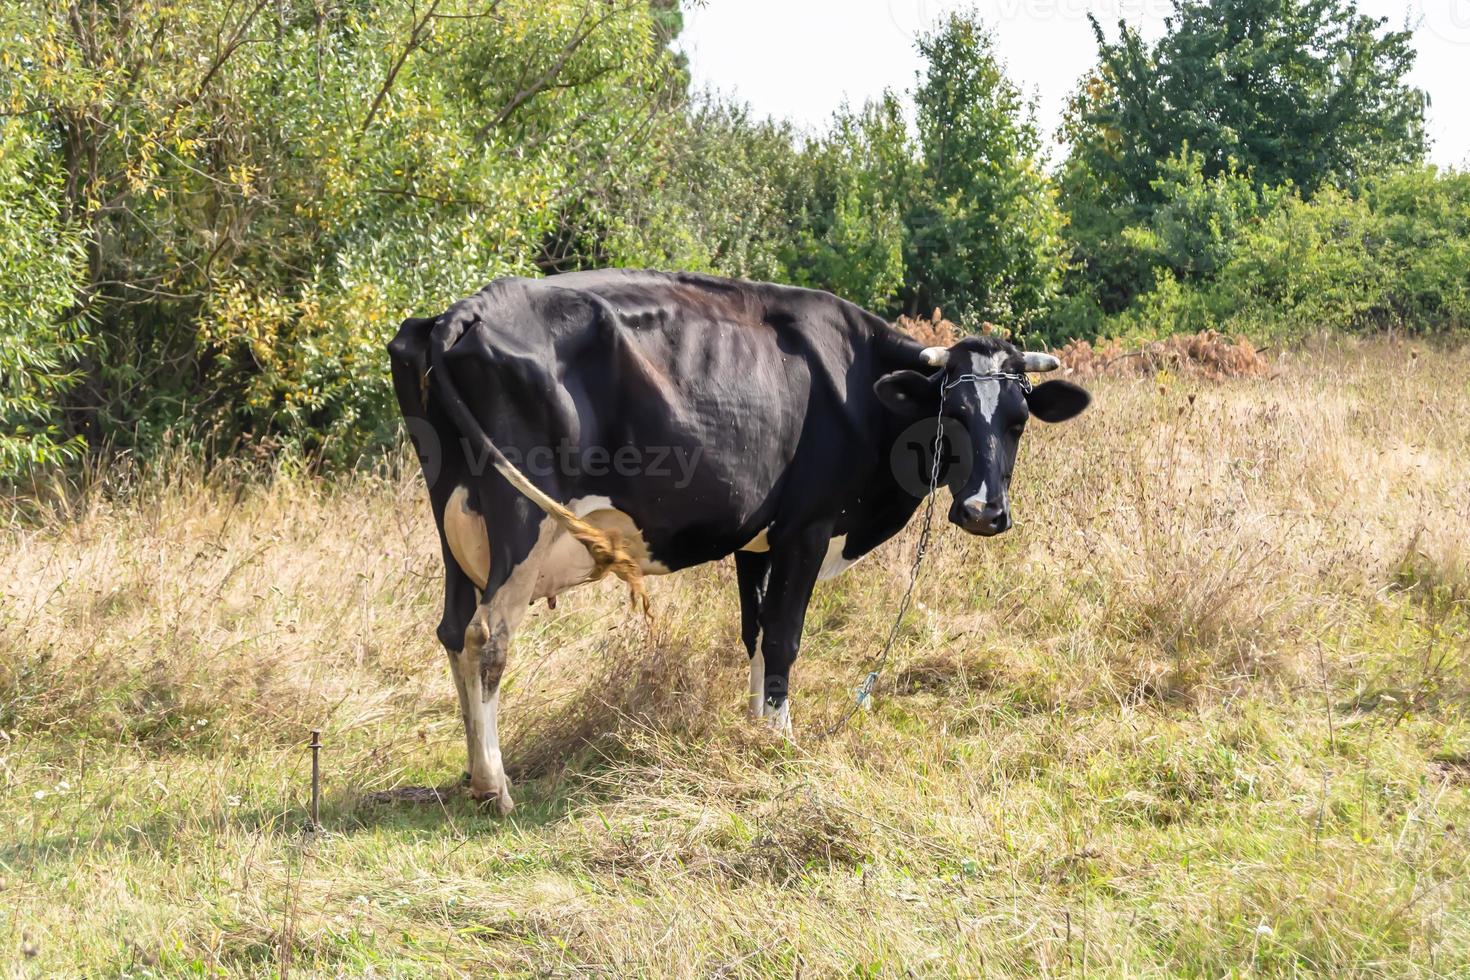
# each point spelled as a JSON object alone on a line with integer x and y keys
{"x": 608, "y": 550}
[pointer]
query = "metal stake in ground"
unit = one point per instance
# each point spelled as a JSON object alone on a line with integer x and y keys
{"x": 316, "y": 779}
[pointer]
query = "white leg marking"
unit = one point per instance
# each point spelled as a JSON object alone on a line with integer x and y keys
{"x": 556, "y": 562}
{"x": 485, "y": 782}
{"x": 780, "y": 718}
{"x": 492, "y": 749}
{"x": 487, "y": 645}
{"x": 757, "y": 685}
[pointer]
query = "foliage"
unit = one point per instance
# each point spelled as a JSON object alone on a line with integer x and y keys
{"x": 265, "y": 189}
{"x": 212, "y": 215}
{"x": 41, "y": 337}
{"x": 1396, "y": 255}
{"x": 1282, "y": 93}
{"x": 1198, "y": 222}
{"x": 731, "y": 184}
{"x": 1308, "y": 92}
{"x": 986, "y": 235}
{"x": 849, "y": 229}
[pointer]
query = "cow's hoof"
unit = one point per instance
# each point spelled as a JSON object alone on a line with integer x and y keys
{"x": 500, "y": 797}
{"x": 779, "y": 718}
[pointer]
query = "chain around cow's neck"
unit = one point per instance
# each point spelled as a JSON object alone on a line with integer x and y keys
{"x": 865, "y": 689}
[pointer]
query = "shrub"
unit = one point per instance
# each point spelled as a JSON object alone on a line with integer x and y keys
{"x": 1393, "y": 255}
{"x": 42, "y": 339}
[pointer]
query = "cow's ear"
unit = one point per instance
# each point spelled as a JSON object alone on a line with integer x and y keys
{"x": 909, "y": 394}
{"x": 1057, "y": 401}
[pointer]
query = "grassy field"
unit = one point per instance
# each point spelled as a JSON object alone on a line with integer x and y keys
{"x": 1203, "y": 713}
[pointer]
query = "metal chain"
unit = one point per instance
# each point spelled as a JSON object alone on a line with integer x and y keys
{"x": 865, "y": 689}
{"x": 1024, "y": 380}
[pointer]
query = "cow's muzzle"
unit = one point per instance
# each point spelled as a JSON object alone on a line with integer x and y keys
{"x": 985, "y": 518}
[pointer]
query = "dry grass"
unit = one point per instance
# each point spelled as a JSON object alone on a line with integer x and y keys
{"x": 1201, "y": 712}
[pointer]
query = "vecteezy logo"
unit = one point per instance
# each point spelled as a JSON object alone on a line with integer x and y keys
{"x": 912, "y": 458}
{"x": 1447, "y": 19}
{"x": 911, "y": 17}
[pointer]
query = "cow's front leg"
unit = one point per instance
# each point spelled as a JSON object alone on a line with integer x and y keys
{"x": 795, "y": 562}
{"x": 751, "y": 571}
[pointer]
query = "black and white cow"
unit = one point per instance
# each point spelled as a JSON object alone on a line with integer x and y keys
{"x": 674, "y": 419}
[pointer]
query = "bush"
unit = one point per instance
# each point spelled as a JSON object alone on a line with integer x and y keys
{"x": 1395, "y": 255}
{"x": 41, "y": 337}
{"x": 265, "y": 190}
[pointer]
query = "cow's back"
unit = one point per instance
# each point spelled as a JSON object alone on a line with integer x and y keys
{"x": 694, "y": 403}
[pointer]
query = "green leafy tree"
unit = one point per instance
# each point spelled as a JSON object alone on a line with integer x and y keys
{"x": 264, "y": 189}
{"x": 1304, "y": 92}
{"x": 1196, "y": 227}
{"x": 725, "y": 184}
{"x": 985, "y": 234}
{"x": 849, "y": 232}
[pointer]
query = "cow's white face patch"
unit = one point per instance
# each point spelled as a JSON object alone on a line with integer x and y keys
{"x": 467, "y": 537}
{"x": 988, "y": 389}
{"x": 979, "y": 498}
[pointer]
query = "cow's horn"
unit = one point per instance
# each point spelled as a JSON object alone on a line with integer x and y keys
{"x": 1039, "y": 363}
{"x": 935, "y": 356}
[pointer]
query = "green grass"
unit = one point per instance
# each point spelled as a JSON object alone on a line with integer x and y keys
{"x": 1203, "y": 713}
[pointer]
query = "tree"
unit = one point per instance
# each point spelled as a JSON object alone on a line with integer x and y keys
{"x": 41, "y": 338}
{"x": 1199, "y": 220}
{"x": 848, "y": 233}
{"x": 1304, "y": 92}
{"x": 985, "y": 232}
{"x": 263, "y": 189}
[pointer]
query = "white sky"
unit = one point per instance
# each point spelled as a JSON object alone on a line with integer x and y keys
{"x": 798, "y": 59}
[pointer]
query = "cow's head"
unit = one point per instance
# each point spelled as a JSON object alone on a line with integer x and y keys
{"x": 982, "y": 383}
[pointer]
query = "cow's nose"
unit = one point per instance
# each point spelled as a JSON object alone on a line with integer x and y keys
{"x": 985, "y": 518}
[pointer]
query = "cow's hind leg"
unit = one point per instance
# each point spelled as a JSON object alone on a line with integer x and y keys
{"x": 459, "y": 607}
{"x": 482, "y": 662}
{"x": 751, "y": 571}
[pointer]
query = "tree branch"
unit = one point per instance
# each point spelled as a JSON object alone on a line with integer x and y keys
{"x": 416, "y": 37}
